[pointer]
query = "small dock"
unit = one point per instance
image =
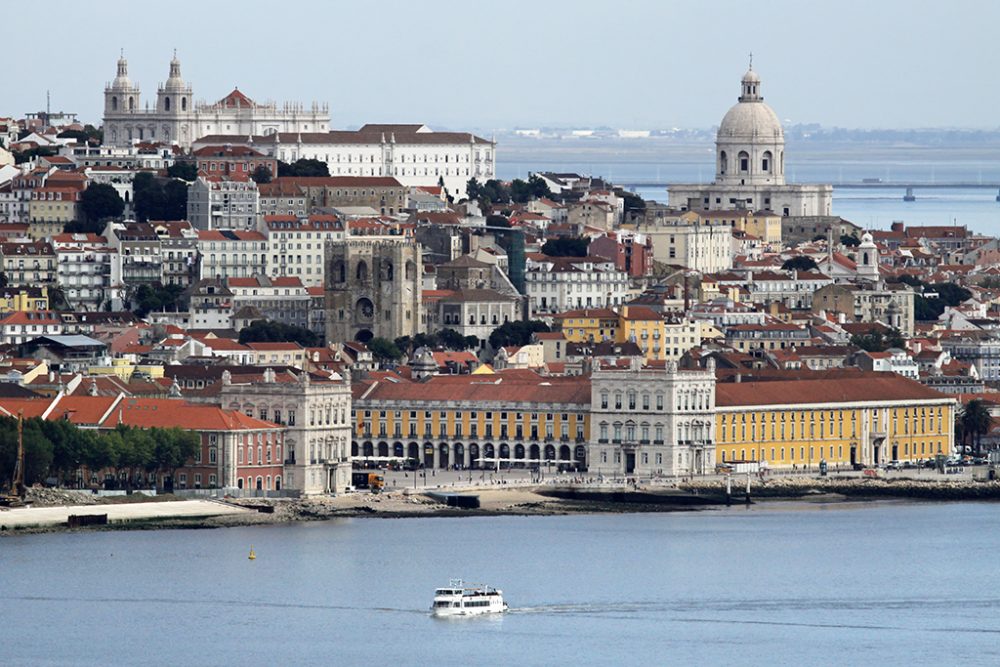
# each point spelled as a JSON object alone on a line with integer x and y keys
{"x": 460, "y": 500}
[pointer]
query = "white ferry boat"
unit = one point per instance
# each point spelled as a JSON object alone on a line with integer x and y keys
{"x": 461, "y": 599}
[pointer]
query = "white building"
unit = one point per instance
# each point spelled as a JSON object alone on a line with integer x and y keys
{"x": 556, "y": 284}
{"x": 231, "y": 254}
{"x": 750, "y": 165}
{"x": 414, "y": 154}
{"x": 177, "y": 118}
{"x": 296, "y": 245}
{"x": 89, "y": 271}
{"x": 652, "y": 422}
{"x": 698, "y": 247}
{"x": 217, "y": 202}
{"x": 21, "y": 326}
{"x": 316, "y": 413}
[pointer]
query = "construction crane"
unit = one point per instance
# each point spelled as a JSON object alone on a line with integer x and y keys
{"x": 19, "y": 491}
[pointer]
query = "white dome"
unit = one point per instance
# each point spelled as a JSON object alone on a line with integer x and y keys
{"x": 751, "y": 77}
{"x": 751, "y": 120}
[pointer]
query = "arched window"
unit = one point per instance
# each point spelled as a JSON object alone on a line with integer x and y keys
{"x": 362, "y": 270}
{"x": 765, "y": 162}
{"x": 114, "y": 103}
{"x": 131, "y": 104}
{"x": 744, "y": 159}
{"x": 166, "y": 104}
{"x": 722, "y": 162}
{"x": 184, "y": 104}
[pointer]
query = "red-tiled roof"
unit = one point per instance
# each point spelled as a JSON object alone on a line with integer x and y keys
{"x": 507, "y": 386}
{"x": 868, "y": 387}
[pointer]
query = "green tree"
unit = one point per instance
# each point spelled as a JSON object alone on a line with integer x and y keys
{"x": 473, "y": 189}
{"x": 175, "y": 195}
{"x": 851, "y": 241}
{"x": 79, "y": 135}
{"x": 799, "y": 263}
{"x": 874, "y": 340}
{"x": 268, "y": 331}
{"x": 539, "y": 188}
{"x": 101, "y": 201}
{"x": 155, "y": 297}
{"x": 520, "y": 191}
{"x": 566, "y": 247}
{"x": 96, "y": 135}
{"x": 516, "y": 333}
{"x": 159, "y": 199}
{"x": 303, "y": 167}
{"x": 976, "y": 422}
{"x": 184, "y": 169}
{"x": 497, "y": 221}
{"x": 949, "y": 293}
{"x": 384, "y": 349}
{"x": 634, "y": 204}
{"x": 452, "y": 340}
{"x": 261, "y": 174}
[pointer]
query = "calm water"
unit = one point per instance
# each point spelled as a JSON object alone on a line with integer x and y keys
{"x": 888, "y": 584}
{"x": 649, "y": 161}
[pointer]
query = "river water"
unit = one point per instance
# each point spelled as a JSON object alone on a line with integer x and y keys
{"x": 658, "y": 161}
{"x": 778, "y": 584}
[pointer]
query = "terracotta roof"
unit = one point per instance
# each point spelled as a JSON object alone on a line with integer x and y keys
{"x": 867, "y": 387}
{"x": 265, "y": 347}
{"x": 507, "y": 386}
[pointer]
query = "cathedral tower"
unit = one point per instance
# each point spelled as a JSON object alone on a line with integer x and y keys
{"x": 372, "y": 288}
{"x": 121, "y": 100}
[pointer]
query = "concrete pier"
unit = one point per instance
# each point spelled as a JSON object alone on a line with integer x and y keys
{"x": 25, "y": 517}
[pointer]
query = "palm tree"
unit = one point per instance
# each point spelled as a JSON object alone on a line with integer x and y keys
{"x": 976, "y": 421}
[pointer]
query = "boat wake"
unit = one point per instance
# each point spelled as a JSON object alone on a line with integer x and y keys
{"x": 237, "y": 603}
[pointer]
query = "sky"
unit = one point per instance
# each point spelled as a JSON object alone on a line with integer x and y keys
{"x": 525, "y": 64}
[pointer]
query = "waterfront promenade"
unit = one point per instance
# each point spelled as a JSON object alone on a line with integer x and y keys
{"x": 41, "y": 517}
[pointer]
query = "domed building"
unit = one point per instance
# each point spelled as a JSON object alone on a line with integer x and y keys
{"x": 750, "y": 165}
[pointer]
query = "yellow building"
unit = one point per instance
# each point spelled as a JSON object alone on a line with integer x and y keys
{"x": 54, "y": 204}
{"x": 509, "y": 419}
{"x": 588, "y": 325}
{"x": 658, "y": 337}
{"x": 24, "y": 299}
{"x": 867, "y": 419}
{"x": 765, "y": 225}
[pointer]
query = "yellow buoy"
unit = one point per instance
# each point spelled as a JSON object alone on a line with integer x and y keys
{"x": 252, "y": 556}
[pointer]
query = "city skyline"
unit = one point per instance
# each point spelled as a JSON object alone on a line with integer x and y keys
{"x": 556, "y": 66}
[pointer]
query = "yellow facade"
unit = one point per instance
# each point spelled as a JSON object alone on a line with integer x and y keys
{"x": 473, "y": 425}
{"x": 124, "y": 369}
{"x": 22, "y": 301}
{"x": 658, "y": 338}
{"x": 803, "y": 435}
{"x": 53, "y": 210}
{"x": 764, "y": 225}
{"x": 589, "y": 328}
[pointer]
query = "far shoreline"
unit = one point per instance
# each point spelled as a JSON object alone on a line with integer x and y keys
{"x": 550, "y": 500}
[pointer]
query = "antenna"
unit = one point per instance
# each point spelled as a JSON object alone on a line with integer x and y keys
{"x": 751, "y": 60}
{"x": 48, "y": 105}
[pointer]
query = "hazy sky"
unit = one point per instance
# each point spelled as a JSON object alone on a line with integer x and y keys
{"x": 516, "y": 63}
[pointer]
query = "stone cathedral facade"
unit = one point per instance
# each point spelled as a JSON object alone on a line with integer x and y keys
{"x": 176, "y": 117}
{"x": 373, "y": 288}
